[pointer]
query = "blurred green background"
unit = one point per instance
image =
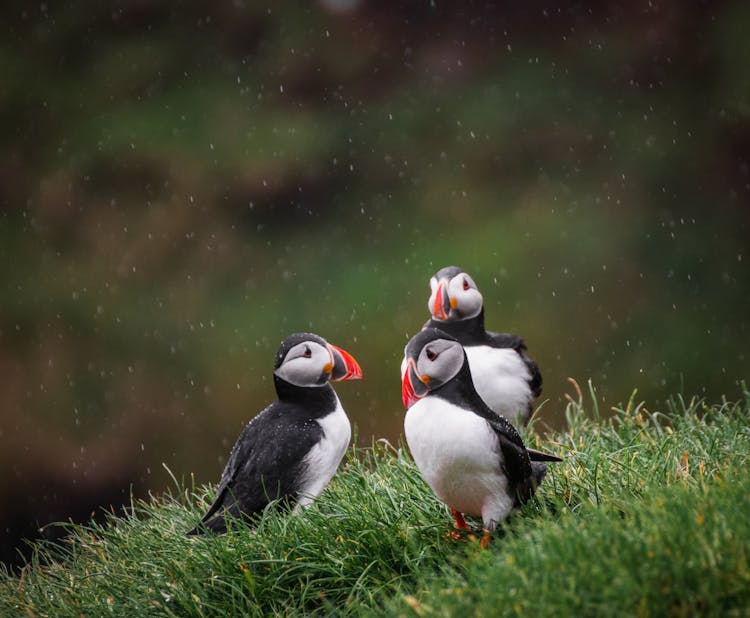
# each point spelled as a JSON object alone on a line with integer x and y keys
{"x": 184, "y": 184}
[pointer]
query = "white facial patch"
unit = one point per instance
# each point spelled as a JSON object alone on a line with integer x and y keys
{"x": 441, "y": 360}
{"x": 303, "y": 365}
{"x": 465, "y": 296}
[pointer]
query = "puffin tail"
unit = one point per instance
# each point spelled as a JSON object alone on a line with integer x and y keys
{"x": 535, "y": 455}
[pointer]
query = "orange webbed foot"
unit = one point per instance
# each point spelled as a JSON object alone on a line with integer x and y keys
{"x": 486, "y": 538}
{"x": 459, "y": 518}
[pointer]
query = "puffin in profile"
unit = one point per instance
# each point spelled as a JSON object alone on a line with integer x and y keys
{"x": 291, "y": 450}
{"x": 504, "y": 376}
{"x": 474, "y": 460}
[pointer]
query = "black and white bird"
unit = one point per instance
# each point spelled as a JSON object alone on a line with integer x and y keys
{"x": 504, "y": 375}
{"x": 291, "y": 450}
{"x": 474, "y": 460}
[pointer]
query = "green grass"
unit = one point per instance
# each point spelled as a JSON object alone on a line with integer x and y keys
{"x": 648, "y": 515}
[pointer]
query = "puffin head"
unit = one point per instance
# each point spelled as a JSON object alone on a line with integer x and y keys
{"x": 433, "y": 359}
{"x": 307, "y": 360}
{"x": 453, "y": 295}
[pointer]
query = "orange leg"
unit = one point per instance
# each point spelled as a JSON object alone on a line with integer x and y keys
{"x": 460, "y": 521}
{"x": 486, "y": 538}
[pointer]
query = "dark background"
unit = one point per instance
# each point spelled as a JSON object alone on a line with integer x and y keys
{"x": 183, "y": 184}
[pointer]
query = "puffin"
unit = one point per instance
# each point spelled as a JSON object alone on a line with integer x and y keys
{"x": 473, "y": 460}
{"x": 291, "y": 450}
{"x": 504, "y": 375}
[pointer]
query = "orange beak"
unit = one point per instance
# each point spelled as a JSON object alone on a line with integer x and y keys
{"x": 344, "y": 366}
{"x": 413, "y": 388}
{"x": 442, "y": 305}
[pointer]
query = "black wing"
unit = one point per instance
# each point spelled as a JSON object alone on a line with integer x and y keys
{"x": 516, "y": 462}
{"x": 506, "y": 340}
{"x": 535, "y": 382}
{"x": 265, "y": 464}
{"x": 240, "y": 453}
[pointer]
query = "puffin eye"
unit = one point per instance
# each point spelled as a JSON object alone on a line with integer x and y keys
{"x": 430, "y": 354}
{"x": 308, "y": 353}
{"x": 466, "y": 284}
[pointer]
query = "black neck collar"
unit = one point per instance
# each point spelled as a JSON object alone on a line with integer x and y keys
{"x": 315, "y": 398}
{"x": 467, "y": 332}
{"x": 460, "y": 391}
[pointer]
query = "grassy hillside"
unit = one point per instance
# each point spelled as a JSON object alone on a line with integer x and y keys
{"x": 649, "y": 514}
{"x": 181, "y": 188}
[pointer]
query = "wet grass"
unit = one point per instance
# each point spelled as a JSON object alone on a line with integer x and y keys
{"x": 648, "y": 515}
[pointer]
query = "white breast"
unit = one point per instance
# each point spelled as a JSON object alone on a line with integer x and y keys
{"x": 324, "y": 458}
{"x": 502, "y": 381}
{"x": 458, "y": 454}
